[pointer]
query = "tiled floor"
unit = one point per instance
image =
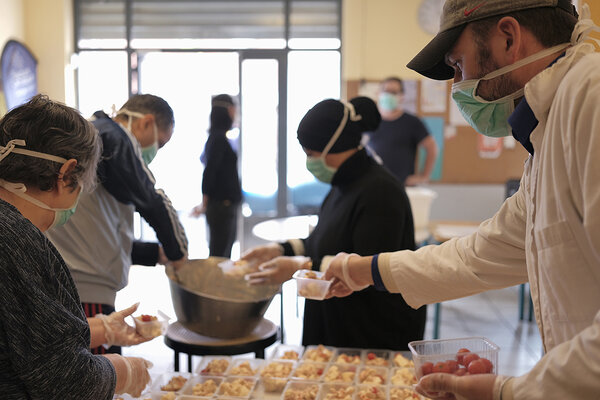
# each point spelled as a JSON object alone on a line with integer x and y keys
{"x": 493, "y": 314}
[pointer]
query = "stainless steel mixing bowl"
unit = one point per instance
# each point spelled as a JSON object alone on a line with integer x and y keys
{"x": 212, "y": 304}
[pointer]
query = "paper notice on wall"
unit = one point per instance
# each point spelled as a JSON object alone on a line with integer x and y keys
{"x": 433, "y": 96}
{"x": 489, "y": 147}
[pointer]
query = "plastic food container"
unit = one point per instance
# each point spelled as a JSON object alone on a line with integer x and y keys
{"x": 377, "y": 358}
{"x": 337, "y": 391}
{"x": 309, "y": 371}
{"x": 214, "y": 365}
{"x": 340, "y": 373}
{"x": 442, "y": 351}
{"x": 171, "y": 382}
{"x": 371, "y": 392}
{"x": 403, "y": 393}
{"x": 402, "y": 359}
{"x": 151, "y": 326}
{"x": 237, "y": 387}
{"x": 319, "y": 353}
{"x": 301, "y": 390}
{"x": 201, "y": 386}
{"x": 275, "y": 374}
{"x": 369, "y": 375}
{"x": 287, "y": 352}
{"x": 348, "y": 356}
{"x": 311, "y": 285}
{"x": 246, "y": 367}
{"x": 403, "y": 377}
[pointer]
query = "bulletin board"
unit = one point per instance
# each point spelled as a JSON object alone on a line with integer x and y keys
{"x": 465, "y": 156}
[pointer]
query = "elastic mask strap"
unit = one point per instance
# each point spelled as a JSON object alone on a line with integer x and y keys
{"x": 584, "y": 27}
{"x": 511, "y": 67}
{"x": 19, "y": 189}
{"x": 10, "y": 148}
{"x": 349, "y": 113}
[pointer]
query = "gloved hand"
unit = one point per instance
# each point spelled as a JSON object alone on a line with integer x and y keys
{"x": 263, "y": 253}
{"x": 132, "y": 374}
{"x": 278, "y": 270}
{"x": 117, "y": 332}
{"x": 339, "y": 270}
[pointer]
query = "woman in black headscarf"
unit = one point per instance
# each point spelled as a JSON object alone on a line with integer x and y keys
{"x": 366, "y": 211}
{"x": 221, "y": 189}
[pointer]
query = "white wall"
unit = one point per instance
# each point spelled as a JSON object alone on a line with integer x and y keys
{"x": 466, "y": 202}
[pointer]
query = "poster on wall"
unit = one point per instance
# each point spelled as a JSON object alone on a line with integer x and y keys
{"x": 18, "y": 74}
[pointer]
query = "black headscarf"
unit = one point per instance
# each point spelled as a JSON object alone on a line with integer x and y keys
{"x": 321, "y": 122}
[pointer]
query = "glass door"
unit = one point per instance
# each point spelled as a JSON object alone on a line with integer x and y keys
{"x": 263, "y": 141}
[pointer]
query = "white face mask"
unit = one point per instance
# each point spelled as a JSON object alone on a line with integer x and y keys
{"x": 61, "y": 215}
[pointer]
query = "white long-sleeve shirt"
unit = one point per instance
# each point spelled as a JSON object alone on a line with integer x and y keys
{"x": 548, "y": 233}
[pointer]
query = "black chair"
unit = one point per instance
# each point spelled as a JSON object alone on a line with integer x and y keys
{"x": 512, "y": 185}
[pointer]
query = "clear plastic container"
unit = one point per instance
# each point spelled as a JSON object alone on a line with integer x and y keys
{"x": 237, "y": 387}
{"x": 403, "y": 377}
{"x": 214, "y": 365}
{"x": 370, "y": 375}
{"x": 337, "y": 391}
{"x": 170, "y": 382}
{"x": 246, "y": 367}
{"x": 311, "y": 284}
{"x": 437, "y": 351}
{"x": 309, "y": 371}
{"x": 301, "y": 390}
{"x": 371, "y": 392}
{"x": 319, "y": 353}
{"x": 377, "y": 357}
{"x": 275, "y": 375}
{"x": 201, "y": 386}
{"x": 340, "y": 373}
{"x": 287, "y": 352}
{"x": 151, "y": 326}
{"x": 348, "y": 356}
{"x": 403, "y": 393}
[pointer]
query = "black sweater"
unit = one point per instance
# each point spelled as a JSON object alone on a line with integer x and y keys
{"x": 220, "y": 180}
{"x": 366, "y": 212}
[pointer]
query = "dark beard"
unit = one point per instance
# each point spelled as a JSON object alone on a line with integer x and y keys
{"x": 495, "y": 88}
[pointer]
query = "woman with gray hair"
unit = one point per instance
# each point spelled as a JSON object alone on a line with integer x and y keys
{"x": 48, "y": 155}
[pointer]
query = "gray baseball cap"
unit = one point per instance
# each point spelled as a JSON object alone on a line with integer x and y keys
{"x": 455, "y": 16}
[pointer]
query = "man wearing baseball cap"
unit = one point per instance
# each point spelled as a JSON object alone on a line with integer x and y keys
{"x": 520, "y": 67}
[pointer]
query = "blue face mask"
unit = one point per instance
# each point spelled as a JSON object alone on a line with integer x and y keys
{"x": 388, "y": 102}
{"x": 490, "y": 117}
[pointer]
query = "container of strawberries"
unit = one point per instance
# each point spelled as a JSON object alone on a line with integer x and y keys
{"x": 460, "y": 356}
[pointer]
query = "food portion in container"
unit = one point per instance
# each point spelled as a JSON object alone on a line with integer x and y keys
{"x": 402, "y": 361}
{"x": 287, "y": 352}
{"x": 337, "y": 392}
{"x": 245, "y": 367}
{"x": 311, "y": 284}
{"x": 311, "y": 371}
{"x": 403, "y": 377}
{"x": 318, "y": 353}
{"x": 368, "y": 392}
{"x": 214, "y": 365}
{"x": 340, "y": 373}
{"x": 237, "y": 269}
{"x": 149, "y": 326}
{"x": 379, "y": 358}
{"x": 175, "y": 384}
{"x": 206, "y": 388}
{"x": 400, "y": 393}
{"x": 237, "y": 387}
{"x": 275, "y": 374}
{"x": 348, "y": 356}
{"x": 373, "y": 375}
{"x": 301, "y": 391}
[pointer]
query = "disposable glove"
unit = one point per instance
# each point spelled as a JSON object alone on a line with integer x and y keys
{"x": 117, "y": 331}
{"x": 263, "y": 253}
{"x": 278, "y": 270}
{"x": 132, "y": 374}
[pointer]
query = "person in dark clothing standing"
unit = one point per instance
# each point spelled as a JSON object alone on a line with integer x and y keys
{"x": 366, "y": 209}
{"x": 399, "y": 136}
{"x": 221, "y": 189}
